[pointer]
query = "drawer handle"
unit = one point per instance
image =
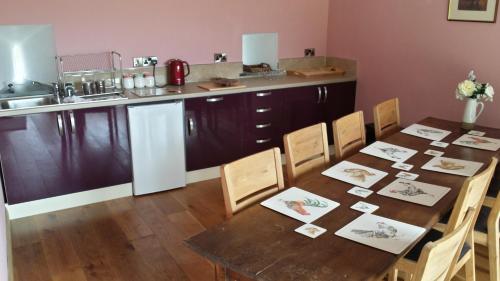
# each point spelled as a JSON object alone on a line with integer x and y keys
{"x": 262, "y": 110}
{"x": 215, "y": 99}
{"x": 72, "y": 121}
{"x": 326, "y": 94}
{"x": 264, "y": 94}
{"x": 263, "y": 141}
{"x": 319, "y": 95}
{"x": 60, "y": 127}
{"x": 262, "y": 126}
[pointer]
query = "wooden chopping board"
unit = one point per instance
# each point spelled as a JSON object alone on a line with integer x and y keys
{"x": 211, "y": 86}
{"x": 316, "y": 71}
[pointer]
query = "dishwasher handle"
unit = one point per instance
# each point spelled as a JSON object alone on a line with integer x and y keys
{"x": 190, "y": 126}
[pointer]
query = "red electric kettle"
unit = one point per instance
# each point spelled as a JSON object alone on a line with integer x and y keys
{"x": 176, "y": 72}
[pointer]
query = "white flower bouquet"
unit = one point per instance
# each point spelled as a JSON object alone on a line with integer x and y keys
{"x": 472, "y": 89}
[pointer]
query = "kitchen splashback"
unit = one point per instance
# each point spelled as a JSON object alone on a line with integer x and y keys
{"x": 27, "y": 53}
{"x": 204, "y": 72}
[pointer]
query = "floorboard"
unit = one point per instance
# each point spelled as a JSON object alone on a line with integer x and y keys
{"x": 128, "y": 239}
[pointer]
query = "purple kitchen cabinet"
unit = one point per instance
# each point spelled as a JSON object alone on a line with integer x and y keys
{"x": 265, "y": 121}
{"x": 339, "y": 101}
{"x": 214, "y": 130}
{"x": 50, "y": 154}
{"x": 303, "y": 107}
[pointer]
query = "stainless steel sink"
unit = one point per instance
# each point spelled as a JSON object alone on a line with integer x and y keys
{"x": 28, "y": 102}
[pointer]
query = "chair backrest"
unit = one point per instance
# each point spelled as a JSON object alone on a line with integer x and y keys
{"x": 250, "y": 179}
{"x": 349, "y": 134}
{"x": 471, "y": 196}
{"x": 439, "y": 257}
{"x": 386, "y": 117}
{"x": 306, "y": 149}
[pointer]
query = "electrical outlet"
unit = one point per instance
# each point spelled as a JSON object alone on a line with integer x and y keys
{"x": 310, "y": 52}
{"x": 145, "y": 61}
{"x": 150, "y": 61}
{"x": 138, "y": 62}
{"x": 220, "y": 57}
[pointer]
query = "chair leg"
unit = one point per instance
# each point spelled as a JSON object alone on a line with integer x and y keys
{"x": 470, "y": 268}
{"x": 220, "y": 273}
{"x": 494, "y": 260}
{"x": 393, "y": 274}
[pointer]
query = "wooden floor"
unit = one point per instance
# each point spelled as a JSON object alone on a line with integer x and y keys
{"x": 136, "y": 238}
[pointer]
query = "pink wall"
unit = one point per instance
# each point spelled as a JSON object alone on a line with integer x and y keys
{"x": 408, "y": 49}
{"x": 189, "y": 29}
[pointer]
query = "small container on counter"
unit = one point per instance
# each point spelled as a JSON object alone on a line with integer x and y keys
{"x": 139, "y": 80}
{"x": 87, "y": 87}
{"x": 128, "y": 81}
{"x": 100, "y": 86}
{"x": 149, "y": 80}
{"x": 118, "y": 83}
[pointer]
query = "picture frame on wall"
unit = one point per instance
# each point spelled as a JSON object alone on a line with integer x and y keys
{"x": 473, "y": 10}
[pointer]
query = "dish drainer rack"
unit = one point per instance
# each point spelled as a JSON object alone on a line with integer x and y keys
{"x": 96, "y": 66}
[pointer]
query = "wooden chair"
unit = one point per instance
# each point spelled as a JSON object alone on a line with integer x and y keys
{"x": 306, "y": 149}
{"x": 471, "y": 196}
{"x": 247, "y": 180}
{"x": 487, "y": 233}
{"x": 349, "y": 134}
{"x": 386, "y": 118}
{"x": 437, "y": 258}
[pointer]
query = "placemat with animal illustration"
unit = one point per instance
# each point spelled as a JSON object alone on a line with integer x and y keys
{"x": 453, "y": 166}
{"x": 300, "y": 204}
{"x": 355, "y": 174}
{"x": 381, "y": 233}
{"x": 426, "y": 132}
{"x": 389, "y": 151}
{"x": 478, "y": 142}
{"x": 414, "y": 191}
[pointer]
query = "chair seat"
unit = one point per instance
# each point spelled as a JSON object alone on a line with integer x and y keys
{"x": 481, "y": 223}
{"x": 433, "y": 235}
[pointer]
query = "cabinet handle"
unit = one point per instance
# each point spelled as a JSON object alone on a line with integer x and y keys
{"x": 264, "y": 94}
{"x": 72, "y": 122}
{"x": 319, "y": 95}
{"x": 326, "y": 94}
{"x": 262, "y": 126}
{"x": 215, "y": 99}
{"x": 60, "y": 127}
{"x": 190, "y": 126}
{"x": 263, "y": 141}
{"x": 262, "y": 110}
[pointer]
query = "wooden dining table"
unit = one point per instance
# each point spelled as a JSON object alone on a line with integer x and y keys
{"x": 261, "y": 244}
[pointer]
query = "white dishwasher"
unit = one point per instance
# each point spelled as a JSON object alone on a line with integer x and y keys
{"x": 157, "y": 143}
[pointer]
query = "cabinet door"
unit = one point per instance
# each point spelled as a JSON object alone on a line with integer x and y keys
{"x": 264, "y": 121}
{"x": 35, "y": 161}
{"x": 99, "y": 147}
{"x": 214, "y": 130}
{"x": 303, "y": 107}
{"x": 339, "y": 100}
{"x": 50, "y": 154}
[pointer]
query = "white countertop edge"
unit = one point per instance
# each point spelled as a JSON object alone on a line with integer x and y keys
{"x": 193, "y": 92}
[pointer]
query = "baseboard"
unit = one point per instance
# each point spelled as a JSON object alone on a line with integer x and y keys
{"x": 62, "y": 202}
{"x": 57, "y": 203}
{"x": 214, "y": 172}
{"x": 202, "y": 175}
{"x": 10, "y": 259}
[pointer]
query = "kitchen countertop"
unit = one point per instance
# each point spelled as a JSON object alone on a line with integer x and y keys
{"x": 190, "y": 90}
